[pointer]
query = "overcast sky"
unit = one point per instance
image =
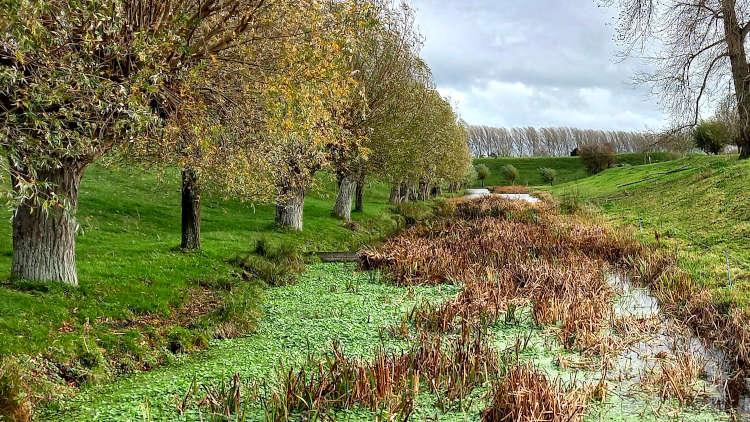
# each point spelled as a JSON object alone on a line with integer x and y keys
{"x": 533, "y": 63}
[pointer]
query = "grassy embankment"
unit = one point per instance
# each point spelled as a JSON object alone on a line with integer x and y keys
{"x": 142, "y": 301}
{"x": 568, "y": 168}
{"x": 701, "y": 210}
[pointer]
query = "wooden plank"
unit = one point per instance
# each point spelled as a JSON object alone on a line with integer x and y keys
{"x": 339, "y": 256}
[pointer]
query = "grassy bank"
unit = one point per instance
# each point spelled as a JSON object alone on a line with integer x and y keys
{"x": 702, "y": 210}
{"x": 568, "y": 168}
{"x": 142, "y": 301}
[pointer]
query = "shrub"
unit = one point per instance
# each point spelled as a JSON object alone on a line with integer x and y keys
{"x": 444, "y": 208}
{"x": 712, "y": 137}
{"x": 412, "y": 212}
{"x": 277, "y": 265}
{"x": 483, "y": 172}
{"x": 597, "y": 157}
{"x": 471, "y": 175}
{"x": 548, "y": 175}
{"x": 510, "y": 173}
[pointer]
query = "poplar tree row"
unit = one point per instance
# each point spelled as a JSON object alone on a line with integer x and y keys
{"x": 250, "y": 98}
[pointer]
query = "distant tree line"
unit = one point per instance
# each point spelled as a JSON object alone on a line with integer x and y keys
{"x": 550, "y": 141}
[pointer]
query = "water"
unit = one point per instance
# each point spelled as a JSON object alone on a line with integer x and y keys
{"x": 667, "y": 338}
{"x": 520, "y": 196}
{"x": 478, "y": 193}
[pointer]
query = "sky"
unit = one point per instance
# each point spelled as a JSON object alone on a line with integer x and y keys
{"x": 533, "y": 63}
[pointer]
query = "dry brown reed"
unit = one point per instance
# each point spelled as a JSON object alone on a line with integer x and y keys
{"x": 500, "y": 251}
{"x": 509, "y": 189}
{"x": 675, "y": 377}
{"x": 526, "y": 394}
{"x": 448, "y": 368}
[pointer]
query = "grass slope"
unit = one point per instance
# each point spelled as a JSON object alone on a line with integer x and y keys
{"x": 703, "y": 211}
{"x": 568, "y": 168}
{"x": 135, "y": 285}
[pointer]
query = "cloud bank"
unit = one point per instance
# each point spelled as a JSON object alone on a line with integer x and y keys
{"x": 533, "y": 63}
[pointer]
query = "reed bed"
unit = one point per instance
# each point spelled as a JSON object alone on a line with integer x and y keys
{"x": 525, "y": 394}
{"x": 509, "y": 189}
{"x": 675, "y": 377}
{"x": 505, "y": 254}
{"x": 503, "y": 251}
{"x": 448, "y": 367}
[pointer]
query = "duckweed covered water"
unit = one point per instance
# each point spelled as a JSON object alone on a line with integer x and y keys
{"x": 335, "y": 301}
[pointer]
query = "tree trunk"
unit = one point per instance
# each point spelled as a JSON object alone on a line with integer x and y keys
{"x": 343, "y": 206}
{"x": 404, "y": 192}
{"x": 412, "y": 192}
{"x": 289, "y": 208}
{"x": 44, "y": 245}
{"x": 740, "y": 73}
{"x": 191, "y": 209}
{"x": 395, "y": 197}
{"x": 422, "y": 194}
{"x": 359, "y": 194}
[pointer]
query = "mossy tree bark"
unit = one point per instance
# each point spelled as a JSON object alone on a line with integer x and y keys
{"x": 44, "y": 239}
{"x": 191, "y": 209}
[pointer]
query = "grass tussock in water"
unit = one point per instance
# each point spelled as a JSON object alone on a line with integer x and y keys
{"x": 675, "y": 377}
{"x": 525, "y": 394}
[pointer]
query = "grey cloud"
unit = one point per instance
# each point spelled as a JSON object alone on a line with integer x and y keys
{"x": 533, "y": 62}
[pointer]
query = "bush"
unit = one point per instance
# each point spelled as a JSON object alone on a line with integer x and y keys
{"x": 471, "y": 175}
{"x": 277, "y": 265}
{"x": 597, "y": 157}
{"x": 548, "y": 175}
{"x": 712, "y": 137}
{"x": 412, "y": 212}
{"x": 445, "y": 209}
{"x": 510, "y": 173}
{"x": 483, "y": 172}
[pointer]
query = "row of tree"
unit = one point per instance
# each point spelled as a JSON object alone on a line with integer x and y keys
{"x": 248, "y": 97}
{"x": 549, "y": 141}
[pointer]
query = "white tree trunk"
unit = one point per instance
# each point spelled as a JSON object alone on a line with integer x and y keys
{"x": 343, "y": 206}
{"x": 289, "y": 209}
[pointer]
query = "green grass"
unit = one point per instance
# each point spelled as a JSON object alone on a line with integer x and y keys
{"x": 130, "y": 269}
{"x": 568, "y": 168}
{"x": 703, "y": 211}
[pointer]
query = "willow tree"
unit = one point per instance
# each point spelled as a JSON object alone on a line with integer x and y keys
{"x": 305, "y": 104}
{"x": 698, "y": 52}
{"x": 221, "y": 134}
{"x": 81, "y": 78}
{"x": 383, "y": 60}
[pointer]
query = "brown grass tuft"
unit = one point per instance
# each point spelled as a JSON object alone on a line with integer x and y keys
{"x": 525, "y": 394}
